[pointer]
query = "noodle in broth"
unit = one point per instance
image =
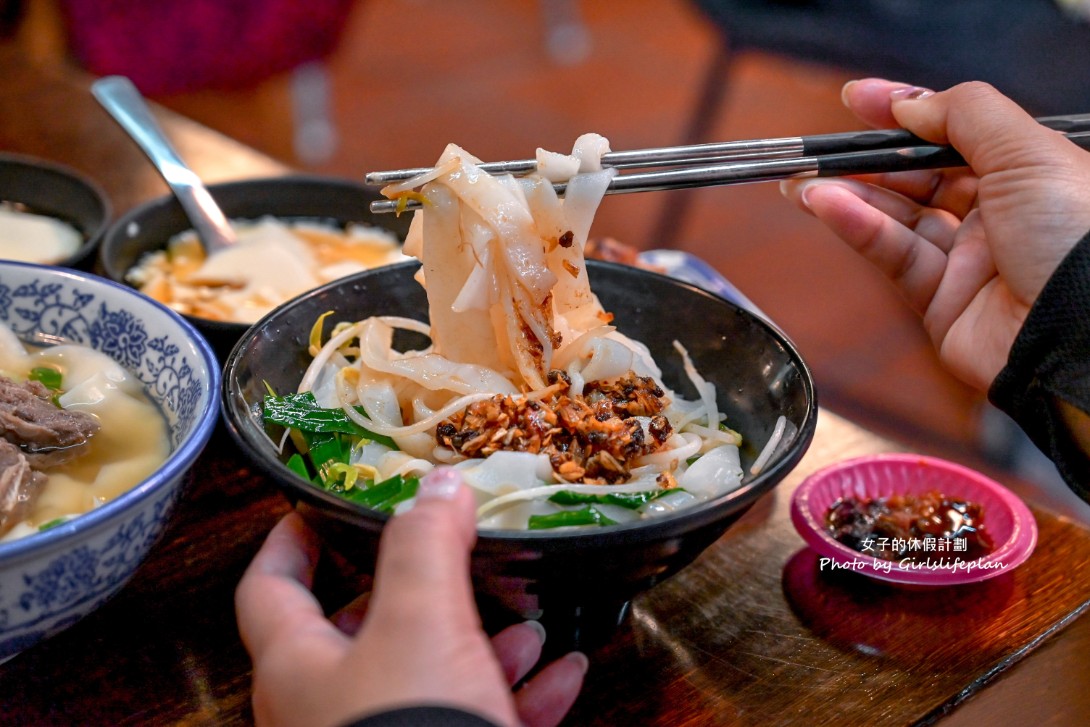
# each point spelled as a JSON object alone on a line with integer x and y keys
{"x": 131, "y": 437}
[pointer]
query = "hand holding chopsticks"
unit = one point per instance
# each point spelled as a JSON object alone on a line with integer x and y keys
{"x": 761, "y": 160}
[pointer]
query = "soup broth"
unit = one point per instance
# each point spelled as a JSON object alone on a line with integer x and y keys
{"x": 131, "y": 441}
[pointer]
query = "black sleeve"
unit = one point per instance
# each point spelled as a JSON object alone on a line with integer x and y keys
{"x": 1050, "y": 362}
{"x": 424, "y": 716}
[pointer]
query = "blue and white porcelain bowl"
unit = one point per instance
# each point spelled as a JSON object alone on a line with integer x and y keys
{"x": 52, "y": 579}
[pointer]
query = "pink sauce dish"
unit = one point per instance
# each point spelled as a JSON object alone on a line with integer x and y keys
{"x": 1007, "y": 522}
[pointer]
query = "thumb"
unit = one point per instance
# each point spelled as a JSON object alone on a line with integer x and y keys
{"x": 1034, "y": 190}
{"x": 991, "y": 131}
{"x": 423, "y": 564}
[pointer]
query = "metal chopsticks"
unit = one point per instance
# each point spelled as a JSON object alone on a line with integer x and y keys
{"x": 741, "y": 162}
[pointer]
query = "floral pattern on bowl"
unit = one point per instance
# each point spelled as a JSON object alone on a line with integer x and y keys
{"x": 51, "y": 580}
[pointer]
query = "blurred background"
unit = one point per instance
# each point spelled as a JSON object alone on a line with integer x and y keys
{"x": 344, "y": 87}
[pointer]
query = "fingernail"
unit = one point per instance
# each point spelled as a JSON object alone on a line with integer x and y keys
{"x": 579, "y": 659}
{"x": 912, "y": 93}
{"x": 804, "y": 195}
{"x": 442, "y": 483}
{"x": 538, "y": 629}
{"x": 844, "y": 92}
{"x": 791, "y": 188}
{"x": 804, "y": 192}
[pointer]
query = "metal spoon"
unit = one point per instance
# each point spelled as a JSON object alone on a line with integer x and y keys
{"x": 124, "y": 103}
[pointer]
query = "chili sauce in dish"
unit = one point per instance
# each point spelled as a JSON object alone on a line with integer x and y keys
{"x": 913, "y": 527}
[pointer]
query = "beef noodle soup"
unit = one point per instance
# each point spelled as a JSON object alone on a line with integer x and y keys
{"x": 76, "y": 431}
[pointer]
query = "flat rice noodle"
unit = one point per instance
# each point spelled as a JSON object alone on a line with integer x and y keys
{"x": 405, "y": 464}
{"x": 428, "y": 370}
{"x": 515, "y": 337}
{"x": 575, "y": 306}
{"x": 643, "y": 363}
{"x": 479, "y": 291}
{"x": 503, "y": 472}
{"x": 581, "y": 200}
{"x": 506, "y": 212}
{"x": 589, "y": 149}
{"x": 500, "y": 267}
{"x": 679, "y": 447}
{"x": 324, "y": 385}
{"x": 369, "y": 454}
{"x": 677, "y": 500}
{"x": 604, "y": 360}
{"x": 414, "y": 238}
{"x": 718, "y": 471}
{"x": 466, "y": 334}
{"x": 578, "y": 346}
{"x": 554, "y": 166}
{"x": 547, "y": 210}
{"x": 532, "y": 356}
{"x": 379, "y": 399}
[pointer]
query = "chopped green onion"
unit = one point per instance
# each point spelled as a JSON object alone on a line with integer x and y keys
{"x": 326, "y": 449}
{"x": 630, "y": 500}
{"x": 585, "y": 516}
{"x": 382, "y": 496}
{"x": 301, "y": 411}
{"x": 298, "y": 465}
{"x": 48, "y": 376}
{"x": 52, "y": 524}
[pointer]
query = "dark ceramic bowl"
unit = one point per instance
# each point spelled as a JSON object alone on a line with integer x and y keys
{"x": 148, "y": 227}
{"x": 581, "y": 579}
{"x": 53, "y": 190}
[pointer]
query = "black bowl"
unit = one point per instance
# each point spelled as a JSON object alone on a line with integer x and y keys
{"x": 54, "y": 190}
{"x": 148, "y": 227}
{"x": 582, "y": 579}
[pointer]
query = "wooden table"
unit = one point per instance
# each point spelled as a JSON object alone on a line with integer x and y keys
{"x": 751, "y": 634}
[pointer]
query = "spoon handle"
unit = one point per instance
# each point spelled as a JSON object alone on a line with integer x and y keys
{"x": 124, "y": 103}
